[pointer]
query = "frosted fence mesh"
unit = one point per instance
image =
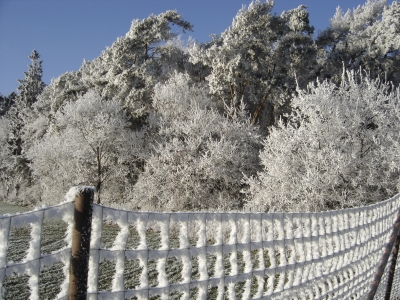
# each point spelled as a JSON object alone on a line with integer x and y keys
{"x": 35, "y": 251}
{"x": 327, "y": 255}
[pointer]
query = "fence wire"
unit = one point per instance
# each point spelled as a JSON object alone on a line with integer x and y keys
{"x": 395, "y": 290}
{"x": 144, "y": 255}
{"x": 35, "y": 250}
{"x": 327, "y": 255}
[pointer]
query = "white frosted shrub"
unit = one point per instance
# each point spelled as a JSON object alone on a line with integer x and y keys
{"x": 199, "y": 156}
{"x": 339, "y": 149}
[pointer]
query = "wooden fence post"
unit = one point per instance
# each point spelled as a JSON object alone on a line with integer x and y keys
{"x": 79, "y": 266}
{"x": 392, "y": 267}
{"x": 385, "y": 257}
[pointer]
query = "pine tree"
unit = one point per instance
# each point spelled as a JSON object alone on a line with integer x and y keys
{"x": 29, "y": 90}
{"x": 32, "y": 85}
{"x": 6, "y": 102}
{"x": 258, "y": 59}
{"x": 14, "y": 164}
{"x": 126, "y": 71}
{"x": 366, "y": 37}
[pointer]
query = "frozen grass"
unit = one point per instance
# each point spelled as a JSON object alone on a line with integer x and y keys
{"x": 16, "y": 287}
{"x": 50, "y": 280}
{"x": 53, "y": 234}
{"x": 18, "y": 243}
{"x": 6, "y": 208}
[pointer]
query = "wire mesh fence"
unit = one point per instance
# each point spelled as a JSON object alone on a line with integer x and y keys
{"x": 35, "y": 253}
{"x": 199, "y": 255}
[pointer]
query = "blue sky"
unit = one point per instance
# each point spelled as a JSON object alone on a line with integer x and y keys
{"x": 66, "y": 32}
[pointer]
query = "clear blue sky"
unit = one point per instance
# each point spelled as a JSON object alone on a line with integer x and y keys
{"x": 66, "y": 32}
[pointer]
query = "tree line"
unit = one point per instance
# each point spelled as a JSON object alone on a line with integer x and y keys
{"x": 262, "y": 117}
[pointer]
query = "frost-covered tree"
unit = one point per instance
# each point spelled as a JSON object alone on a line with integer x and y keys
{"x": 257, "y": 59}
{"x": 198, "y": 156}
{"x": 14, "y": 164}
{"x": 366, "y": 37}
{"x": 32, "y": 85}
{"x": 127, "y": 71}
{"x": 29, "y": 90}
{"x": 64, "y": 89}
{"x": 340, "y": 149}
{"x": 6, "y": 159}
{"x": 6, "y": 102}
{"x": 89, "y": 143}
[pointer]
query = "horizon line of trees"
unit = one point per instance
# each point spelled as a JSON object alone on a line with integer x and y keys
{"x": 261, "y": 118}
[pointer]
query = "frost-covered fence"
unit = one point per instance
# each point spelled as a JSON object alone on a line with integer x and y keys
{"x": 42, "y": 253}
{"x": 327, "y": 255}
{"x": 199, "y": 255}
{"x": 35, "y": 251}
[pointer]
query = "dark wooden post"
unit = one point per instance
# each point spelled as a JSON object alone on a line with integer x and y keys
{"x": 384, "y": 259}
{"x": 392, "y": 267}
{"x": 79, "y": 265}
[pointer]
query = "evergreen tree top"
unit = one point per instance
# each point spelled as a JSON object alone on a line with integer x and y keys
{"x": 32, "y": 85}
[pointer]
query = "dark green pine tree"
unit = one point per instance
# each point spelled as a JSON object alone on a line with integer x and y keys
{"x": 30, "y": 88}
{"x": 32, "y": 85}
{"x": 6, "y": 102}
{"x": 17, "y": 169}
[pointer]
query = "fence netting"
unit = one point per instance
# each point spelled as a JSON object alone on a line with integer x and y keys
{"x": 35, "y": 251}
{"x": 326, "y": 255}
{"x": 145, "y": 255}
{"x": 395, "y": 288}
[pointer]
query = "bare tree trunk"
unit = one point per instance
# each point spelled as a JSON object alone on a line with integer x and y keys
{"x": 98, "y": 190}
{"x": 259, "y": 108}
{"x": 98, "y": 185}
